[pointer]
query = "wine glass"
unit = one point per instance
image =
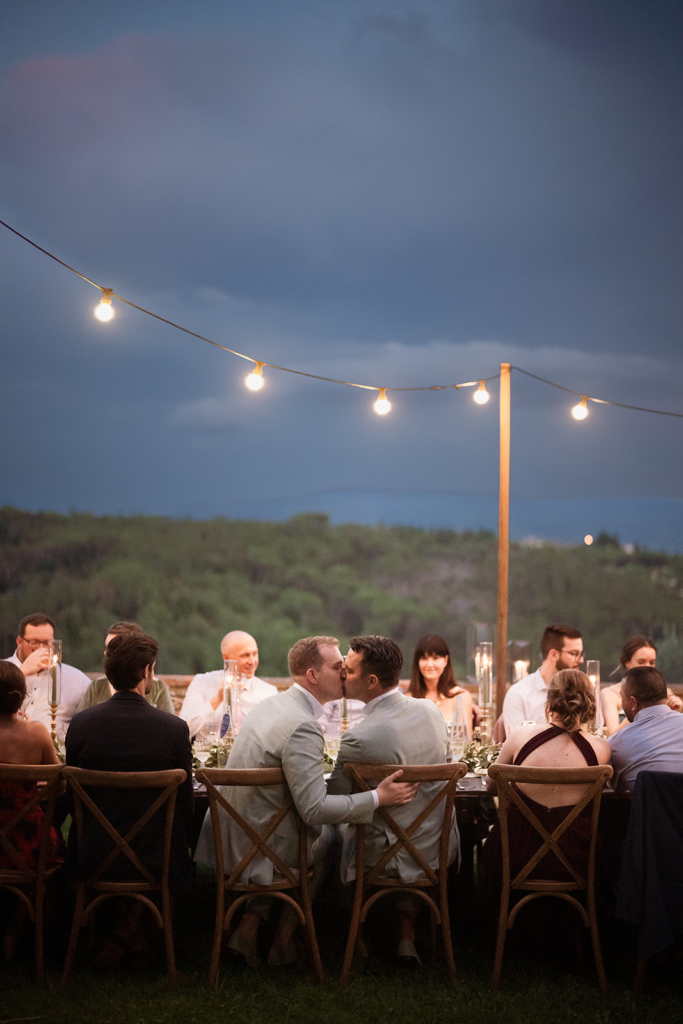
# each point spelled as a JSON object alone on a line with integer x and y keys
{"x": 202, "y": 751}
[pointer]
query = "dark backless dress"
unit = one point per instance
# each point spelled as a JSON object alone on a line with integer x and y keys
{"x": 525, "y": 841}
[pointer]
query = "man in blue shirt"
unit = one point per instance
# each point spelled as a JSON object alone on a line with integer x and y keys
{"x": 654, "y": 738}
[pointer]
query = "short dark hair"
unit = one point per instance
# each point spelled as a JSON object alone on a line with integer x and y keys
{"x": 34, "y": 619}
{"x": 120, "y": 628}
{"x": 12, "y": 688}
{"x": 431, "y": 644}
{"x": 127, "y": 657}
{"x": 381, "y": 657}
{"x": 554, "y": 636}
{"x": 645, "y": 683}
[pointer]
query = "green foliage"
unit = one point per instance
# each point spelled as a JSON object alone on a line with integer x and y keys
{"x": 189, "y": 582}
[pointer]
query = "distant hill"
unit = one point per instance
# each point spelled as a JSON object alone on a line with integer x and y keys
{"x": 188, "y": 582}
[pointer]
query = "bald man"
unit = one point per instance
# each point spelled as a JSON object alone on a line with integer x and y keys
{"x": 203, "y": 705}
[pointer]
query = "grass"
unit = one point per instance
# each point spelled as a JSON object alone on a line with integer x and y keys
{"x": 539, "y": 987}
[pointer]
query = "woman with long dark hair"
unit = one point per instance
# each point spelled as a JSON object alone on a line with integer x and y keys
{"x": 432, "y": 679}
{"x": 637, "y": 651}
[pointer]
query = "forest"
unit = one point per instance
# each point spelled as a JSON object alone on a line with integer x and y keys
{"x": 188, "y": 582}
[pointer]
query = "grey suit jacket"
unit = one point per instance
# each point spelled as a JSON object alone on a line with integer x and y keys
{"x": 281, "y": 732}
{"x": 397, "y": 730}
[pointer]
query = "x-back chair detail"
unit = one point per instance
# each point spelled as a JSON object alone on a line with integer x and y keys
{"x": 434, "y": 879}
{"x": 25, "y": 882}
{"x": 82, "y": 782}
{"x": 289, "y": 880}
{"x": 507, "y": 778}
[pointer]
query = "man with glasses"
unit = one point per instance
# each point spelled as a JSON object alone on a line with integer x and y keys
{"x": 32, "y": 656}
{"x": 561, "y": 647}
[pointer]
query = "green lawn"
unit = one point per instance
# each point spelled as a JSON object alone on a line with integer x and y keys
{"x": 541, "y": 986}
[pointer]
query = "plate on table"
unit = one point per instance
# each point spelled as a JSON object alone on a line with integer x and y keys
{"x": 481, "y": 771}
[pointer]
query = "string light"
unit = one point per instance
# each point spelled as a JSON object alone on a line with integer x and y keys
{"x": 254, "y": 380}
{"x": 580, "y": 411}
{"x": 481, "y": 395}
{"x": 382, "y": 406}
{"x": 105, "y": 310}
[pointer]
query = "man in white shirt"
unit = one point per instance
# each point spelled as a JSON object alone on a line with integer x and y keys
{"x": 653, "y": 741}
{"x": 31, "y": 656}
{"x": 561, "y": 647}
{"x": 203, "y": 705}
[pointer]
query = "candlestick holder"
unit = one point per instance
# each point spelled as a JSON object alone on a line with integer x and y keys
{"x": 483, "y": 661}
{"x": 54, "y": 684}
{"x": 593, "y": 673}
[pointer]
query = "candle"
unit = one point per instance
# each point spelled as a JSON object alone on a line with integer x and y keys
{"x": 345, "y": 710}
{"x": 53, "y": 682}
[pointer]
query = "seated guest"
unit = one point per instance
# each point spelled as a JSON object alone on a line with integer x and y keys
{"x": 203, "y": 705}
{"x": 653, "y": 739}
{"x": 395, "y": 730}
{"x": 432, "y": 678}
{"x": 283, "y": 732}
{"x": 637, "y": 651}
{"x": 570, "y": 706}
{"x": 525, "y": 701}
{"x": 21, "y": 742}
{"x": 127, "y": 734}
{"x": 101, "y": 689}
{"x": 31, "y": 656}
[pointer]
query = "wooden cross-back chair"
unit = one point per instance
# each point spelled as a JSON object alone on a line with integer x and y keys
{"x": 290, "y": 885}
{"x": 507, "y": 776}
{"x": 25, "y": 882}
{"x": 434, "y": 879}
{"x": 82, "y": 782}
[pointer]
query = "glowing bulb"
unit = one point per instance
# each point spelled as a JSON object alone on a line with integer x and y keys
{"x": 382, "y": 406}
{"x": 105, "y": 310}
{"x": 481, "y": 395}
{"x": 254, "y": 380}
{"x": 580, "y": 411}
{"x": 588, "y": 539}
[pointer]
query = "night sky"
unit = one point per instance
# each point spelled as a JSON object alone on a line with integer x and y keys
{"x": 394, "y": 193}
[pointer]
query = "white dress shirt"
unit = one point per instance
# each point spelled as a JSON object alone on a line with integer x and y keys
{"x": 202, "y": 719}
{"x": 331, "y": 717}
{"x": 525, "y": 701}
{"x": 653, "y": 741}
{"x": 74, "y": 685}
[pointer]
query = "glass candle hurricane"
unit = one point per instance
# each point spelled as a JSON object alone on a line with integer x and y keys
{"x": 484, "y": 673}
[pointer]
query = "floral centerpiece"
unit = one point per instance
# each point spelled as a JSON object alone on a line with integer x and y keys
{"x": 479, "y": 757}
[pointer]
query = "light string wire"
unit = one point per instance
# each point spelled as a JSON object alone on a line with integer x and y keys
{"x": 331, "y": 380}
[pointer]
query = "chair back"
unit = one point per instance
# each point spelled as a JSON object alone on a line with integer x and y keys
{"x": 47, "y": 780}
{"x": 507, "y": 777}
{"x": 84, "y": 785}
{"x": 261, "y": 777}
{"x": 362, "y": 774}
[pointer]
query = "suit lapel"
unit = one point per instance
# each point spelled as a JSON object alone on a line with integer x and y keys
{"x": 386, "y": 703}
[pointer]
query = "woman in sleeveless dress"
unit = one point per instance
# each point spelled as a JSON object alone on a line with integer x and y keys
{"x": 21, "y": 742}
{"x": 432, "y": 679}
{"x": 563, "y": 743}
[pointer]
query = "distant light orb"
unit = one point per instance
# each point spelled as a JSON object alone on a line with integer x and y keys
{"x": 105, "y": 311}
{"x": 481, "y": 395}
{"x": 588, "y": 539}
{"x": 254, "y": 382}
{"x": 580, "y": 411}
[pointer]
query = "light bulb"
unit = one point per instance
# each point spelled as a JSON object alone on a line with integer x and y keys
{"x": 105, "y": 310}
{"x": 481, "y": 395}
{"x": 254, "y": 380}
{"x": 580, "y": 411}
{"x": 382, "y": 406}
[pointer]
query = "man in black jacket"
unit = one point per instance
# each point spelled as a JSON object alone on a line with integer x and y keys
{"x": 127, "y": 734}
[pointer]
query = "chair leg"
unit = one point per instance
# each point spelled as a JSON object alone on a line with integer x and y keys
{"x": 73, "y": 938}
{"x": 595, "y": 937}
{"x": 446, "y": 937}
{"x": 167, "y": 918}
{"x": 353, "y": 932}
{"x": 500, "y": 941}
{"x": 639, "y": 979}
{"x": 38, "y": 928}
{"x": 218, "y": 930}
{"x": 311, "y": 936}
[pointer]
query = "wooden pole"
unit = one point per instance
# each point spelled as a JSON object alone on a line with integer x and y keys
{"x": 503, "y": 535}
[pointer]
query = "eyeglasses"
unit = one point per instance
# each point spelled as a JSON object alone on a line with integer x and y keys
{"x": 36, "y": 643}
{"x": 572, "y": 654}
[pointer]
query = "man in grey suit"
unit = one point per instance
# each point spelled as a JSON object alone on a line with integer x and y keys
{"x": 396, "y": 729}
{"x": 283, "y": 732}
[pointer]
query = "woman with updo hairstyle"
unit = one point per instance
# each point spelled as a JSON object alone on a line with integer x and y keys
{"x": 564, "y": 743}
{"x": 637, "y": 652}
{"x": 21, "y": 742}
{"x": 432, "y": 679}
